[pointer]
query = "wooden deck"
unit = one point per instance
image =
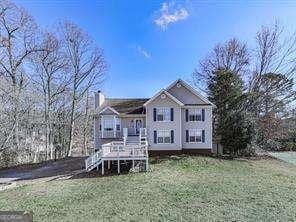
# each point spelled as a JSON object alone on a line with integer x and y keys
{"x": 117, "y": 151}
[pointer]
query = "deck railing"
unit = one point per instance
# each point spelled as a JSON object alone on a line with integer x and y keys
{"x": 120, "y": 149}
{"x": 143, "y": 132}
{"x": 93, "y": 159}
{"x": 110, "y": 134}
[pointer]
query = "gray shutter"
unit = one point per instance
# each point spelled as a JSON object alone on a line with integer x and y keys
{"x": 154, "y": 114}
{"x": 155, "y": 136}
{"x": 186, "y": 114}
{"x": 187, "y": 136}
{"x": 172, "y": 136}
{"x": 172, "y": 114}
{"x": 203, "y": 114}
{"x": 203, "y": 136}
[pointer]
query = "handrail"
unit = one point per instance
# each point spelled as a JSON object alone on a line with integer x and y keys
{"x": 93, "y": 159}
{"x": 119, "y": 147}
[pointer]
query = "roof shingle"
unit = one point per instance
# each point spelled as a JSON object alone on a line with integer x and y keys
{"x": 126, "y": 106}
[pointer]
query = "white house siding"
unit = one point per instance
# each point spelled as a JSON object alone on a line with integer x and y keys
{"x": 169, "y": 125}
{"x": 185, "y": 95}
{"x": 202, "y": 125}
{"x": 96, "y": 132}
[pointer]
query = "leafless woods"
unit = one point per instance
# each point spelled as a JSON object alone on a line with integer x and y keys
{"x": 45, "y": 81}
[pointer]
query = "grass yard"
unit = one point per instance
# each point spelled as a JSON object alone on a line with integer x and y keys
{"x": 188, "y": 189}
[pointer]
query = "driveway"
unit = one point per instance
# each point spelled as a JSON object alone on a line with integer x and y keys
{"x": 50, "y": 170}
{"x": 289, "y": 157}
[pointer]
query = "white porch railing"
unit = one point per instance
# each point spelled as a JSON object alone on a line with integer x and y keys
{"x": 119, "y": 149}
{"x": 110, "y": 134}
{"x": 143, "y": 132}
{"x": 93, "y": 160}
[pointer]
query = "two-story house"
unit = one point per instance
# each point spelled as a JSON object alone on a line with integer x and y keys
{"x": 176, "y": 119}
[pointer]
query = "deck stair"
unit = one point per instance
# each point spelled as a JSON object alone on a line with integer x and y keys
{"x": 93, "y": 161}
{"x": 132, "y": 140}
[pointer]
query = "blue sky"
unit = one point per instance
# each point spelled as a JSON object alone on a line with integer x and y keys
{"x": 148, "y": 44}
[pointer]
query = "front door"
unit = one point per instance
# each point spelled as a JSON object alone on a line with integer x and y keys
{"x": 138, "y": 125}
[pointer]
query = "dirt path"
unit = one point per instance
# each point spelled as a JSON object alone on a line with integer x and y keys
{"x": 46, "y": 171}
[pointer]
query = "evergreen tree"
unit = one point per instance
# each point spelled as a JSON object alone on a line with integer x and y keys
{"x": 231, "y": 123}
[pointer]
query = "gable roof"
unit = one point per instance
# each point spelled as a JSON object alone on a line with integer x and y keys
{"x": 168, "y": 94}
{"x": 191, "y": 89}
{"x": 110, "y": 108}
{"x": 125, "y": 105}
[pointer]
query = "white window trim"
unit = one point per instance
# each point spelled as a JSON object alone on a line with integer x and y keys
{"x": 158, "y": 108}
{"x": 195, "y": 136}
{"x": 115, "y": 121}
{"x": 194, "y": 111}
{"x": 169, "y": 132}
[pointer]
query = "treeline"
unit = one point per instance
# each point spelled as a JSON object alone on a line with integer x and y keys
{"x": 46, "y": 77}
{"x": 253, "y": 89}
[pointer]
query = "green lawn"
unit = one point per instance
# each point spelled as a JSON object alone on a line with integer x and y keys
{"x": 189, "y": 189}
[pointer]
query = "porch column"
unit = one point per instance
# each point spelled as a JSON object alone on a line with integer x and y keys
{"x": 114, "y": 127}
{"x": 102, "y": 167}
{"x": 102, "y": 126}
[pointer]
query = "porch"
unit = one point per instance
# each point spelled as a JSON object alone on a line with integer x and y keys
{"x": 116, "y": 151}
{"x": 113, "y": 126}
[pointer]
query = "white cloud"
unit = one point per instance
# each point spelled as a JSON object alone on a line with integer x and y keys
{"x": 143, "y": 52}
{"x": 169, "y": 14}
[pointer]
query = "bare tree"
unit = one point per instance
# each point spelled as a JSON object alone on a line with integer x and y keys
{"x": 231, "y": 55}
{"x": 17, "y": 42}
{"x": 275, "y": 56}
{"x": 50, "y": 78}
{"x": 87, "y": 68}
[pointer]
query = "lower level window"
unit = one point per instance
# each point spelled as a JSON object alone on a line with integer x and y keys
{"x": 195, "y": 136}
{"x": 163, "y": 136}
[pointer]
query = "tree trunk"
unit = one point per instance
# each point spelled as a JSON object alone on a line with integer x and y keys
{"x": 72, "y": 125}
{"x": 85, "y": 125}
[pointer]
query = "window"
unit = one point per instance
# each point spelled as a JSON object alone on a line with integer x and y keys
{"x": 163, "y": 114}
{"x": 108, "y": 123}
{"x": 195, "y": 115}
{"x": 195, "y": 136}
{"x": 163, "y": 136}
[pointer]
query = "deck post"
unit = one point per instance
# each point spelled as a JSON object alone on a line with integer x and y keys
{"x": 133, "y": 156}
{"x": 147, "y": 164}
{"x": 108, "y": 164}
{"x": 102, "y": 167}
{"x": 118, "y": 161}
{"x": 147, "y": 156}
